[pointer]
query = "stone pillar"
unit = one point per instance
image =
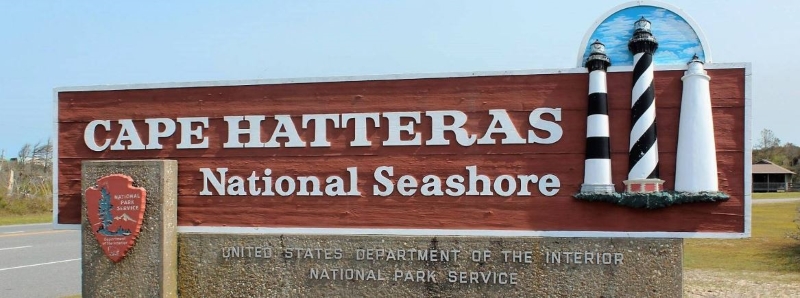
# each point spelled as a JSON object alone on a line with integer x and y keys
{"x": 149, "y": 268}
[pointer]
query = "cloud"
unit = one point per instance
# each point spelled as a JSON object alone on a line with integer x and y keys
{"x": 659, "y": 13}
{"x": 691, "y": 51}
{"x": 667, "y": 56}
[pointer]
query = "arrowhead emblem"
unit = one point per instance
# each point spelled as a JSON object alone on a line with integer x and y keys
{"x": 115, "y": 209}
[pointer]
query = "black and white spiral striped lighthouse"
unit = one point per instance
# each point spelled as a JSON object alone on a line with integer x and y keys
{"x": 643, "y": 149}
{"x": 597, "y": 166}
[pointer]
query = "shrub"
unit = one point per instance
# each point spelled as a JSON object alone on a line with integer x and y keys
{"x": 25, "y": 205}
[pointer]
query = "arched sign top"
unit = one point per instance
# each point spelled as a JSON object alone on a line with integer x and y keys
{"x": 678, "y": 36}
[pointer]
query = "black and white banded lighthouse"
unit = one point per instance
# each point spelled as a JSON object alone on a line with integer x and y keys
{"x": 597, "y": 166}
{"x": 643, "y": 150}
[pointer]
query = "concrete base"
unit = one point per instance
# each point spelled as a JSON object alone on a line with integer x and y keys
{"x": 597, "y": 188}
{"x": 231, "y": 265}
{"x": 150, "y": 267}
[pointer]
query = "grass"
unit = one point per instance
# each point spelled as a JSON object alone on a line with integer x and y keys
{"x": 20, "y": 219}
{"x": 25, "y": 210}
{"x": 25, "y": 204}
{"x": 769, "y": 249}
{"x": 775, "y": 195}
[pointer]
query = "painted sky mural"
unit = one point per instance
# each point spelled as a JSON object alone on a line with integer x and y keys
{"x": 677, "y": 40}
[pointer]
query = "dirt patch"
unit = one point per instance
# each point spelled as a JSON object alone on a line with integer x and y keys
{"x": 713, "y": 283}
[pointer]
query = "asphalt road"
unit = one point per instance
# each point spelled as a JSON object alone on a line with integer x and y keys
{"x": 37, "y": 261}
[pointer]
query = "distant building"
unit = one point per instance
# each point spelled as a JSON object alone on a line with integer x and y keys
{"x": 769, "y": 177}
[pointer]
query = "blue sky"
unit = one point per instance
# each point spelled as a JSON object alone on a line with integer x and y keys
{"x": 48, "y": 44}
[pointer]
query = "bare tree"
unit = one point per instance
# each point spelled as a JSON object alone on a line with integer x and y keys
{"x": 30, "y": 174}
{"x": 43, "y": 154}
{"x": 25, "y": 153}
{"x": 26, "y": 184}
{"x": 767, "y": 140}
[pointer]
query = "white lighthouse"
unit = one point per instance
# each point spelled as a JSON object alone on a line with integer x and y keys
{"x": 696, "y": 163}
{"x": 597, "y": 165}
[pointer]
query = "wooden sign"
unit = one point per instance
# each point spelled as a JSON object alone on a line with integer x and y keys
{"x": 115, "y": 210}
{"x": 458, "y": 154}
